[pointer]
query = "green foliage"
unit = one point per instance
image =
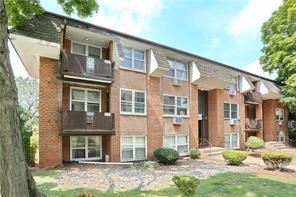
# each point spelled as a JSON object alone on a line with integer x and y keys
{"x": 19, "y": 12}
{"x": 84, "y": 8}
{"x": 279, "y": 41}
{"x": 254, "y": 143}
{"x": 276, "y": 159}
{"x": 29, "y": 133}
{"x": 289, "y": 91}
{"x": 186, "y": 184}
{"x": 166, "y": 156}
{"x": 234, "y": 157}
{"x": 194, "y": 153}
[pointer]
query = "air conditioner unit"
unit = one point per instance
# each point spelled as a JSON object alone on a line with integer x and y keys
{"x": 177, "y": 120}
{"x": 232, "y": 92}
{"x": 177, "y": 82}
{"x": 233, "y": 121}
{"x": 280, "y": 122}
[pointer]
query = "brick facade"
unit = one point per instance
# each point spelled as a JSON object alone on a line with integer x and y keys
{"x": 55, "y": 97}
{"x": 50, "y": 106}
{"x": 270, "y": 125}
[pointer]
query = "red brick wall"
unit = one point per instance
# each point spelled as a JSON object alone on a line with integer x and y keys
{"x": 155, "y": 120}
{"x": 193, "y": 127}
{"x": 66, "y": 148}
{"x": 216, "y": 117}
{"x": 271, "y": 126}
{"x": 50, "y": 105}
{"x": 115, "y": 108}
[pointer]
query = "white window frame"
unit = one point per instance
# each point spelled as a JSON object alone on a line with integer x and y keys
{"x": 133, "y": 103}
{"x": 175, "y": 77}
{"x": 134, "y": 148}
{"x": 176, "y": 106}
{"x": 85, "y": 97}
{"x": 230, "y": 118}
{"x": 283, "y": 114}
{"x": 133, "y": 61}
{"x": 86, "y": 149}
{"x": 237, "y": 83}
{"x": 176, "y": 142}
{"x": 230, "y": 139}
{"x": 86, "y": 48}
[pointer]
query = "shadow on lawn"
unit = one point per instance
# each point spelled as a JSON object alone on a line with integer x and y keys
{"x": 52, "y": 189}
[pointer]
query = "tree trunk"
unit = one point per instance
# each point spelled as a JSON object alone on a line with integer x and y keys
{"x": 15, "y": 178}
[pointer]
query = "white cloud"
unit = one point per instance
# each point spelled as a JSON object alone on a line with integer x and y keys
{"x": 256, "y": 68}
{"x": 17, "y": 65}
{"x": 129, "y": 16}
{"x": 252, "y": 16}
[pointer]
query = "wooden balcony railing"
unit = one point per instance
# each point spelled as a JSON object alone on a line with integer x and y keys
{"x": 89, "y": 68}
{"x": 87, "y": 123}
{"x": 253, "y": 124}
{"x": 253, "y": 97}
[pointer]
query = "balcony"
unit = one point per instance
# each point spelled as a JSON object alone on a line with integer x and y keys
{"x": 253, "y": 98}
{"x": 80, "y": 67}
{"x": 251, "y": 124}
{"x": 87, "y": 123}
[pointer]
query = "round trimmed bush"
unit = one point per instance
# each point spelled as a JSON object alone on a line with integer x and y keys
{"x": 194, "y": 153}
{"x": 166, "y": 156}
{"x": 186, "y": 184}
{"x": 234, "y": 157}
{"x": 276, "y": 159}
{"x": 254, "y": 143}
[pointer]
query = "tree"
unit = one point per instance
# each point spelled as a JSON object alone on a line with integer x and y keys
{"x": 279, "y": 49}
{"x": 28, "y": 95}
{"x": 15, "y": 178}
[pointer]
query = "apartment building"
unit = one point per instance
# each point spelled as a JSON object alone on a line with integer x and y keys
{"x": 106, "y": 95}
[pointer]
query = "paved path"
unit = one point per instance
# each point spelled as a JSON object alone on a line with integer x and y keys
{"x": 117, "y": 178}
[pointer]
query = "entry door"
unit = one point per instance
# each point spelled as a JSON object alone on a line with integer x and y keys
{"x": 203, "y": 111}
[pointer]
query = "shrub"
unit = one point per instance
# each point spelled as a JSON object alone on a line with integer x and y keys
{"x": 166, "y": 156}
{"x": 254, "y": 143}
{"x": 194, "y": 153}
{"x": 276, "y": 159}
{"x": 234, "y": 157}
{"x": 186, "y": 184}
{"x": 86, "y": 194}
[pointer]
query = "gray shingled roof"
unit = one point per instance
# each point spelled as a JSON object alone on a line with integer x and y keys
{"x": 44, "y": 27}
{"x": 47, "y": 27}
{"x": 160, "y": 58}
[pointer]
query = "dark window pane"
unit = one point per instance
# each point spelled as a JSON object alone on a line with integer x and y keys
{"x": 93, "y": 107}
{"x": 77, "y": 106}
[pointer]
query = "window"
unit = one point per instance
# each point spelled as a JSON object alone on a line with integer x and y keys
{"x": 175, "y": 105}
{"x": 85, "y": 100}
{"x": 177, "y": 142}
{"x": 233, "y": 83}
{"x": 86, "y": 147}
{"x": 86, "y": 50}
{"x": 230, "y": 111}
{"x": 133, "y": 148}
{"x": 133, "y": 59}
{"x": 279, "y": 112}
{"x": 231, "y": 140}
{"x": 178, "y": 70}
{"x": 132, "y": 102}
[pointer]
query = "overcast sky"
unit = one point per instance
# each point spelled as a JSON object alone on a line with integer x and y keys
{"x": 224, "y": 30}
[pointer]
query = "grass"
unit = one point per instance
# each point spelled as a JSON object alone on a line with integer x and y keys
{"x": 220, "y": 185}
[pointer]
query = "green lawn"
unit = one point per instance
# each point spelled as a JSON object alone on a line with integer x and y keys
{"x": 226, "y": 184}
